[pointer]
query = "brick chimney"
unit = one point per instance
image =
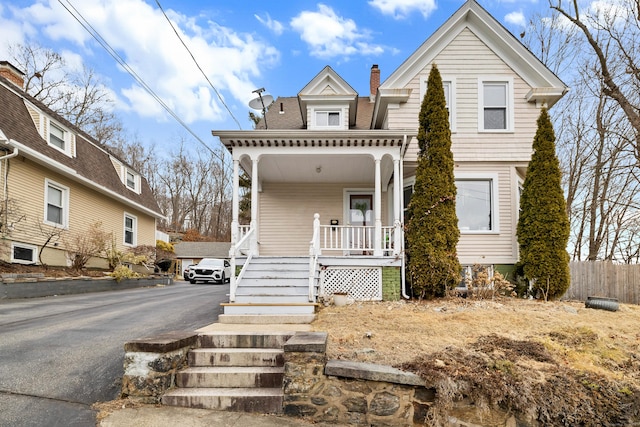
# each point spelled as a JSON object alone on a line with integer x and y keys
{"x": 374, "y": 82}
{"x": 11, "y": 73}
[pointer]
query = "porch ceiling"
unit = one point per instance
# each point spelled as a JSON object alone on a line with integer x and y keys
{"x": 319, "y": 168}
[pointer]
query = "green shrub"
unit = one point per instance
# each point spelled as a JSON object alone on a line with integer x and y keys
{"x": 123, "y": 272}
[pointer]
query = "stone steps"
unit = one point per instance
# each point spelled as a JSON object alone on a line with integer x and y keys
{"x": 235, "y": 357}
{"x": 235, "y": 371}
{"x": 260, "y": 400}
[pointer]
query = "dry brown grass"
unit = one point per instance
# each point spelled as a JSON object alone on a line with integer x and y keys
{"x": 574, "y": 364}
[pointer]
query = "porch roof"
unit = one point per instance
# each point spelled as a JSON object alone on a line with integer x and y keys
{"x": 310, "y": 138}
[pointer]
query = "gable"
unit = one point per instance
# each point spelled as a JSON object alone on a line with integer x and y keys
{"x": 328, "y": 90}
{"x": 545, "y": 86}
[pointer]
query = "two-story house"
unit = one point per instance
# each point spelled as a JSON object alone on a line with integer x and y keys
{"x": 332, "y": 171}
{"x": 57, "y": 182}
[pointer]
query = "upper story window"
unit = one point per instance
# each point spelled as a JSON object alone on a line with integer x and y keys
{"x": 495, "y": 105}
{"x": 130, "y": 229}
{"x": 475, "y": 204}
{"x": 328, "y": 119}
{"x": 449, "y": 88}
{"x": 57, "y": 137}
{"x": 131, "y": 180}
{"x": 56, "y": 204}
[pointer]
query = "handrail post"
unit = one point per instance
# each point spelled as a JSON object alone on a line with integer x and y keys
{"x": 314, "y": 251}
{"x": 397, "y": 238}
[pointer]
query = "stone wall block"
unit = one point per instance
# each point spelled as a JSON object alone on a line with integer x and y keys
{"x": 355, "y": 404}
{"x": 384, "y": 404}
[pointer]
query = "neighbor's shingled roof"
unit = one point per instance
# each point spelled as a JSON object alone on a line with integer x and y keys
{"x": 92, "y": 159}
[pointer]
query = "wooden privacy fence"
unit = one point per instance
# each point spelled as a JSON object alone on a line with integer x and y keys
{"x": 604, "y": 278}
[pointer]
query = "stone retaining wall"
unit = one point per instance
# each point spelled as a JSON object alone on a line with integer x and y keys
{"x": 319, "y": 390}
{"x": 14, "y": 286}
{"x": 150, "y": 364}
{"x": 344, "y": 392}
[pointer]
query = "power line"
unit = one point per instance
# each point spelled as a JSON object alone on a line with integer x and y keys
{"x": 197, "y": 64}
{"x": 96, "y": 35}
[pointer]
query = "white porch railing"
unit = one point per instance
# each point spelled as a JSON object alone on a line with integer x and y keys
{"x": 355, "y": 238}
{"x": 244, "y": 241}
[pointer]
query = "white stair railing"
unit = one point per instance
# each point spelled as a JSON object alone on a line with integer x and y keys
{"x": 314, "y": 252}
{"x": 236, "y": 249}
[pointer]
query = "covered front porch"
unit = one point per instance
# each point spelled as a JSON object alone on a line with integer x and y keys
{"x": 334, "y": 199}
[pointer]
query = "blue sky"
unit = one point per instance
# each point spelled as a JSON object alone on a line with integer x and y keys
{"x": 240, "y": 45}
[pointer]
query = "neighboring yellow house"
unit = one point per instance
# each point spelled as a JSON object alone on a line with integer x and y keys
{"x": 336, "y": 169}
{"x": 58, "y": 181}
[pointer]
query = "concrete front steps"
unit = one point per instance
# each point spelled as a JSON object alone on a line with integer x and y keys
{"x": 235, "y": 371}
{"x": 273, "y": 286}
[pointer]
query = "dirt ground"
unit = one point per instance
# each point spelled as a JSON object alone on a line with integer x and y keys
{"x": 49, "y": 271}
{"x": 557, "y": 362}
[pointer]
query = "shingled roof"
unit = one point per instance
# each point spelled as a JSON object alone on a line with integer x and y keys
{"x": 92, "y": 162}
{"x": 285, "y": 113}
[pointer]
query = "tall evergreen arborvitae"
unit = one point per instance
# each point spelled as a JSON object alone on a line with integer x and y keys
{"x": 543, "y": 226}
{"x": 432, "y": 231}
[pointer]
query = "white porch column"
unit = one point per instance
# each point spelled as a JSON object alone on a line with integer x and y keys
{"x": 254, "y": 206}
{"x": 397, "y": 191}
{"x": 235, "y": 202}
{"x": 377, "y": 245}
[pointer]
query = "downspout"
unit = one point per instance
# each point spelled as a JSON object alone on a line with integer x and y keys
{"x": 401, "y": 180}
{"x": 5, "y": 196}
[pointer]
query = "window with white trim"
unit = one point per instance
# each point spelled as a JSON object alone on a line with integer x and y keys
{"x": 131, "y": 180}
{"x": 495, "y": 106}
{"x": 56, "y": 209}
{"x": 57, "y": 136}
{"x": 130, "y": 229}
{"x": 449, "y": 88}
{"x": 475, "y": 204}
{"x": 330, "y": 119}
{"x": 23, "y": 254}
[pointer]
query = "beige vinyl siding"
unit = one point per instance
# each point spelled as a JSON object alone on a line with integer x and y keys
{"x": 467, "y": 59}
{"x": 492, "y": 248}
{"x": 35, "y": 116}
{"x": 85, "y": 207}
{"x": 287, "y": 209}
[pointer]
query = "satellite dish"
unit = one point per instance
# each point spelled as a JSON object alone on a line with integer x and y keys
{"x": 261, "y": 102}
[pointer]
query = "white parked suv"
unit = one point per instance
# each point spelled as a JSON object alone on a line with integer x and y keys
{"x": 210, "y": 270}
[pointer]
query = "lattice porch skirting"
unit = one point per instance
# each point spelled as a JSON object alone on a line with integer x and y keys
{"x": 361, "y": 283}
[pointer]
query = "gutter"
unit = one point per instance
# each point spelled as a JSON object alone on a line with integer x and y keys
{"x": 5, "y": 197}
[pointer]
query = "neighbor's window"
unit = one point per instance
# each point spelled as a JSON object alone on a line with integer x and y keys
{"x": 131, "y": 180}
{"x": 23, "y": 254}
{"x": 56, "y": 204}
{"x": 130, "y": 229}
{"x": 56, "y": 136}
{"x": 327, "y": 118}
{"x": 495, "y": 106}
{"x": 474, "y": 204}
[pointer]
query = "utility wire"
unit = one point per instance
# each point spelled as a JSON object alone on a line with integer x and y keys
{"x": 94, "y": 33}
{"x": 197, "y": 64}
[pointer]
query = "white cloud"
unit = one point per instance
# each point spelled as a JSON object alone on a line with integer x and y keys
{"x": 275, "y": 26}
{"x": 329, "y": 35}
{"x": 402, "y": 8}
{"x": 142, "y": 36}
{"x": 515, "y": 18}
